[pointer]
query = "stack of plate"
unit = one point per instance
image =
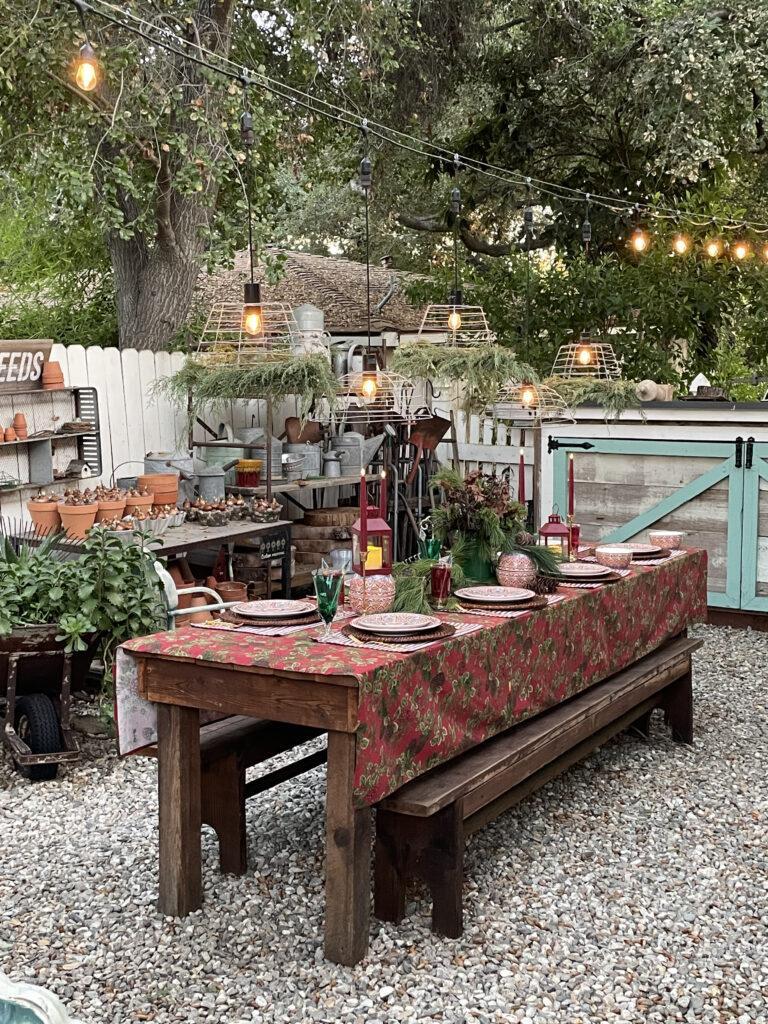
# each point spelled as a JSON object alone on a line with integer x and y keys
{"x": 640, "y": 552}
{"x": 494, "y": 597}
{"x": 275, "y": 613}
{"x": 396, "y": 624}
{"x": 585, "y": 572}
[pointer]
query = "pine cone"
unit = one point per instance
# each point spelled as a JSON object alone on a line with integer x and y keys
{"x": 544, "y": 584}
{"x": 525, "y": 539}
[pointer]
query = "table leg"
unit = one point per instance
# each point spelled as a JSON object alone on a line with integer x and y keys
{"x": 286, "y": 581}
{"x": 347, "y": 857}
{"x": 178, "y": 756}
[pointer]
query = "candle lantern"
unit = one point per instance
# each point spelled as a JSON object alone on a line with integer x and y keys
{"x": 555, "y": 534}
{"x": 372, "y": 538}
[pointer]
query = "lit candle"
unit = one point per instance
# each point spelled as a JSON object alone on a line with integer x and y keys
{"x": 521, "y": 478}
{"x": 383, "y": 496}
{"x": 570, "y": 485}
{"x": 375, "y": 558}
{"x": 363, "y": 516}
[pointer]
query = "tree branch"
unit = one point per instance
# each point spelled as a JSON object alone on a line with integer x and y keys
{"x": 439, "y": 224}
{"x": 165, "y": 233}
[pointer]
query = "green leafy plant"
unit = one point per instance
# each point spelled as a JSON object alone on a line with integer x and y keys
{"x": 105, "y": 595}
{"x": 412, "y": 585}
{"x": 614, "y": 396}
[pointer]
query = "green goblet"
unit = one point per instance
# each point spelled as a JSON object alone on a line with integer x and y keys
{"x": 328, "y": 584}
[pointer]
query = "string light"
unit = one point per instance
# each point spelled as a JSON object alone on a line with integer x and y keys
{"x": 741, "y": 250}
{"x": 639, "y": 240}
{"x": 713, "y": 248}
{"x": 88, "y": 74}
{"x": 764, "y": 252}
{"x": 87, "y": 69}
{"x": 681, "y": 244}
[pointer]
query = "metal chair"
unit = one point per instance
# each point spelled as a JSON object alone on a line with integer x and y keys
{"x": 172, "y": 598}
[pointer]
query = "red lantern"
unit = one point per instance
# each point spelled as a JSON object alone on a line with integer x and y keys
{"x": 556, "y": 536}
{"x": 377, "y": 545}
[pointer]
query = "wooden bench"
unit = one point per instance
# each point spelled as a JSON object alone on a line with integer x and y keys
{"x": 227, "y": 748}
{"x": 422, "y": 827}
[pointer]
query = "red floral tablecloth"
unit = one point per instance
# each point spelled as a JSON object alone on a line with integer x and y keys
{"x": 418, "y": 710}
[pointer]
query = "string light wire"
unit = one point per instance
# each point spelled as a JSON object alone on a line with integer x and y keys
{"x": 224, "y": 66}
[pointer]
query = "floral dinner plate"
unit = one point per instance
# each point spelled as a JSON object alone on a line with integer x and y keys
{"x": 495, "y": 595}
{"x": 396, "y": 622}
{"x": 583, "y": 570}
{"x": 272, "y": 609}
{"x": 643, "y": 549}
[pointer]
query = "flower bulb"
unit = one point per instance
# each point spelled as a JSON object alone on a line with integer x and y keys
{"x": 454, "y": 320}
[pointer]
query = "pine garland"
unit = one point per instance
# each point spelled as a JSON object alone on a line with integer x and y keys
{"x": 615, "y": 396}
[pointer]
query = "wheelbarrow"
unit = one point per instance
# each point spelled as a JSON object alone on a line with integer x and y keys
{"x": 35, "y": 696}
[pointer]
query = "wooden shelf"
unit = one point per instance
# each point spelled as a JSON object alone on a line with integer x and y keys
{"x": 51, "y": 437}
{"x": 291, "y": 486}
{"x": 42, "y": 486}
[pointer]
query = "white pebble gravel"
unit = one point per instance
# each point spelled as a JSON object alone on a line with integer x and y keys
{"x": 634, "y": 888}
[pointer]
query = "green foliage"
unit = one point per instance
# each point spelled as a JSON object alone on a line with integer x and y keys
{"x": 110, "y": 591}
{"x": 733, "y": 367}
{"x": 476, "y": 509}
{"x": 612, "y": 395}
{"x": 544, "y": 560}
{"x": 308, "y": 377}
{"x": 412, "y": 585}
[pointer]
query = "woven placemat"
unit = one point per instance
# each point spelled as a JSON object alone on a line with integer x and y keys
{"x": 294, "y": 620}
{"x": 507, "y": 606}
{"x": 445, "y": 630}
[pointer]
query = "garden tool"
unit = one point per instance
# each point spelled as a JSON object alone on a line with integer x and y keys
{"x": 310, "y": 432}
{"x": 426, "y": 435}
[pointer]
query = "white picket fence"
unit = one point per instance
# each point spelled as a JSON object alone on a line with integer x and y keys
{"x": 136, "y": 418}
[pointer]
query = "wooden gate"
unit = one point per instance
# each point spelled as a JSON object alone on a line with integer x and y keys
{"x": 625, "y": 486}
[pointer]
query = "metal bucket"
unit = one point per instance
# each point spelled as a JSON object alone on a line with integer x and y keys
{"x": 312, "y": 458}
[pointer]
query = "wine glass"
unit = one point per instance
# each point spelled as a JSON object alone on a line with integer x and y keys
{"x": 328, "y": 584}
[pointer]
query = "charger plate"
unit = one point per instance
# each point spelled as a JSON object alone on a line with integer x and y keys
{"x": 444, "y": 631}
{"x": 609, "y": 577}
{"x": 641, "y": 556}
{"x": 399, "y": 623}
{"x": 518, "y": 606}
{"x": 304, "y": 620}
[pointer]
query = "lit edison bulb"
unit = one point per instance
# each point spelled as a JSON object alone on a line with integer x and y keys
{"x": 639, "y": 240}
{"x": 713, "y": 248}
{"x": 253, "y": 320}
{"x": 528, "y": 396}
{"x": 740, "y": 250}
{"x": 584, "y": 355}
{"x": 87, "y": 69}
{"x": 454, "y": 320}
{"x": 764, "y": 252}
{"x": 681, "y": 244}
{"x": 370, "y": 386}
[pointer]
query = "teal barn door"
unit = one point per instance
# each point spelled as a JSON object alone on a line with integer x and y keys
{"x": 754, "y": 546}
{"x": 625, "y": 487}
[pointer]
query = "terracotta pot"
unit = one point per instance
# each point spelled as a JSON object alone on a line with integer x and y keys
{"x": 165, "y": 487}
{"x": 113, "y": 509}
{"x": 20, "y": 426}
{"x": 232, "y": 590}
{"x": 192, "y": 601}
{"x": 142, "y": 501}
{"x": 10, "y": 434}
{"x": 77, "y": 519}
{"x": 45, "y": 515}
{"x": 53, "y": 377}
{"x": 515, "y": 570}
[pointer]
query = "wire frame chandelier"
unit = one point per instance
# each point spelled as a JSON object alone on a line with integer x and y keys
{"x": 527, "y": 404}
{"x": 225, "y": 342}
{"x": 586, "y": 358}
{"x": 454, "y": 322}
{"x": 371, "y": 397}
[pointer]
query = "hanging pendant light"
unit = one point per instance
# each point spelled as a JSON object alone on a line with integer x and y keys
{"x": 369, "y": 384}
{"x": 87, "y": 70}
{"x": 455, "y": 323}
{"x": 253, "y": 314}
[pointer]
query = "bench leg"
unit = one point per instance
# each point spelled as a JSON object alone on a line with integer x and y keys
{"x": 178, "y": 756}
{"x": 223, "y": 808}
{"x": 389, "y": 868}
{"x": 347, "y": 857}
{"x": 442, "y": 868}
{"x": 678, "y": 708}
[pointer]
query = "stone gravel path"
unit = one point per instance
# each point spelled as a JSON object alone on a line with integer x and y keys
{"x": 635, "y": 888}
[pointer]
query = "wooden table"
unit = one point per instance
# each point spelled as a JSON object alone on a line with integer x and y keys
{"x": 375, "y": 705}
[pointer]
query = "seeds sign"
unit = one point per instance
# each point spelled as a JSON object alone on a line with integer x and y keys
{"x": 21, "y": 365}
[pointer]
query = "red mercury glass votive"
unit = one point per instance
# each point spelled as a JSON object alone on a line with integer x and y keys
{"x": 440, "y": 581}
{"x": 575, "y": 538}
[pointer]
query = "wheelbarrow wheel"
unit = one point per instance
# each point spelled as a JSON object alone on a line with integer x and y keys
{"x": 37, "y": 724}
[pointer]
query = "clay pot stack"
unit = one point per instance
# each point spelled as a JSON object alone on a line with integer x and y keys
{"x": 138, "y": 499}
{"x": 164, "y": 487}
{"x": 53, "y": 377}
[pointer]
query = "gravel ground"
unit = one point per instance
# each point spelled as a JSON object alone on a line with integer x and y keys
{"x": 632, "y": 889}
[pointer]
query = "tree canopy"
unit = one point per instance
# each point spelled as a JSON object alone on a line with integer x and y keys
{"x": 114, "y": 201}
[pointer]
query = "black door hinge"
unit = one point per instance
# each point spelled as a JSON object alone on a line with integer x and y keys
{"x": 737, "y": 457}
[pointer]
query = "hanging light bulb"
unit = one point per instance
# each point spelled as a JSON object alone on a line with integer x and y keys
{"x": 454, "y": 317}
{"x": 741, "y": 250}
{"x": 369, "y": 382}
{"x": 584, "y": 355}
{"x": 764, "y": 252}
{"x": 87, "y": 68}
{"x": 713, "y": 248}
{"x": 528, "y": 395}
{"x": 681, "y": 244}
{"x": 253, "y": 314}
{"x": 639, "y": 240}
